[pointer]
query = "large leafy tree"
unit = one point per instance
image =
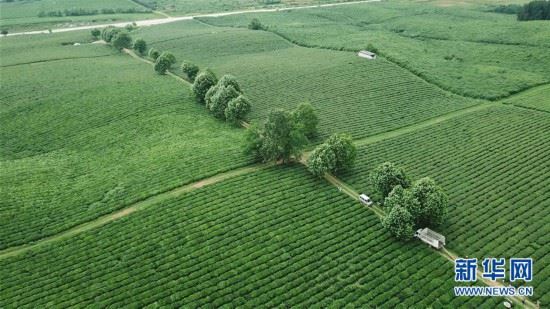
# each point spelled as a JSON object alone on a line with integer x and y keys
{"x": 122, "y": 40}
{"x": 162, "y": 64}
{"x": 190, "y": 69}
{"x": 108, "y": 33}
{"x": 322, "y": 160}
{"x": 96, "y": 33}
{"x": 204, "y": 81}
{"x": 425, "y": 204}
{"x": 154, "y": 53}
{"x": 338, "y": 153}
{"x": 399, "y": 222}
{"x": 224, "y": 82}
{"x": 305, "y": 114}
{"x": 279, "y": 138}
{"x": 237, "y": 109}
{"x": 140, "y": 46}
{"x": 429, "y": 205}
{"x": 169, "y": 56}
{"x": 386, "y": 176}
{"x": 219, "y": 101}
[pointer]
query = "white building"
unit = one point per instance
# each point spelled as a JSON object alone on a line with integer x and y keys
{"x": 366, "y": 54}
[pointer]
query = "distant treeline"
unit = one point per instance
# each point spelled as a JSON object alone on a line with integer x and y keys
{"x": 534, "y": 10}
{"x": 86, "y": 12}
{"x": 507, "y": 9}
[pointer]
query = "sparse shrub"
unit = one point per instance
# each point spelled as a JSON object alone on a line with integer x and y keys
{"x": 96, "y": 33}
{"x": 255, "y": 24}
{"x": 190, "y": 69}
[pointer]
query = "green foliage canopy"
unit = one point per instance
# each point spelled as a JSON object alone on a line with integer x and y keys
{"x": 204, "y": 81}
{"x": 190, "y": 69}
{"x": 386, "y": 176}
{"x": 140, "y": 46}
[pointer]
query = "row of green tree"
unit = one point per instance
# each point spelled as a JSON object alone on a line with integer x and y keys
{"x": 409, "y": 205}
{"x": 224, "y": 98}
{"x": 88, "y": 12}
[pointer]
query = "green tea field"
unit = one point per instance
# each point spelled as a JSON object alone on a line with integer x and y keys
{"x": 43, "y": 14}
{"x": 351, "y": 94}
{"x": 485, "y": 162}
{"x": 240, "y": 159}
{"x": 490, "y": 47}
{"x": 67, "y": 160}
{"x": 293, "y": 242}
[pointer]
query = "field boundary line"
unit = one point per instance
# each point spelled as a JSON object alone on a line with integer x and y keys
{"x": 535, "y": 109}
{"x": 152, "y": 22}
{"x": 53, "y": 60}
{"x": 149, "y": 8}
{"x": 138, "y": 206}
{"x": 424, "y": 124}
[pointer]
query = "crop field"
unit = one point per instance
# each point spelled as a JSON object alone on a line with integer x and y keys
{"x": 494, "y": 166}
{"x": 94, "y": 139}
{"x": 43, "y": 48}
{"x": 24, "y": 15}
{"x": 189, "y": 7}
{"x": 295, "y": 241}
{"x": 477, "y": 46}
{"x": 351, "y": 94}
{"x": 119, "y": 190}
{"x": 537, "y": 98}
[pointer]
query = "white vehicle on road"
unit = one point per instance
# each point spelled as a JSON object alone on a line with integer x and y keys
{"x": 365, "y": 199}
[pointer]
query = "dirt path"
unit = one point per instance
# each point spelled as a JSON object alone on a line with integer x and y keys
{"x": 169, "y": 19}
{"x": 131, "y": 209}
{"x": 423, "y": 124}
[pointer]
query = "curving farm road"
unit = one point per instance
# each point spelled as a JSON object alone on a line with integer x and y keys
{"x": 160, "y": 21}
